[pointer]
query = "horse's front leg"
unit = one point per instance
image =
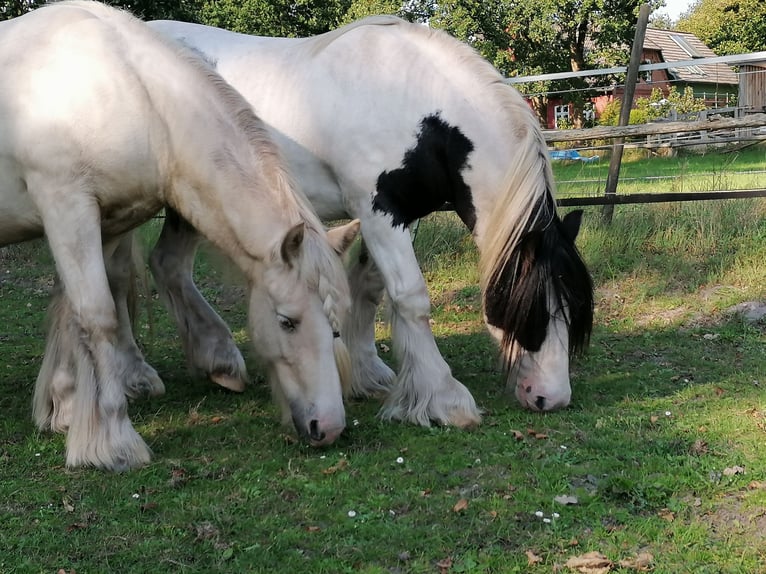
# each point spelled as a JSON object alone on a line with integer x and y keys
{"x": 370, "y": 375}
{"x": 208, "y": 342}
{"x": 425, "y": 389}
{"x": 99, "y": 430}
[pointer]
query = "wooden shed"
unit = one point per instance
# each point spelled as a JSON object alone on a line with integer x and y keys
{"x": 752, "y": 86}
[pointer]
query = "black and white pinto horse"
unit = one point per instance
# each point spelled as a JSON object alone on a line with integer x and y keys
{"x": 385, "y": 121}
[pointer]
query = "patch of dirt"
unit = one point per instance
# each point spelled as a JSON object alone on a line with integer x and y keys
{"x": 732, "y": 518}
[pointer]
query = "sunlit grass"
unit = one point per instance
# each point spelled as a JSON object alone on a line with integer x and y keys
{"x": 667, "y": 403}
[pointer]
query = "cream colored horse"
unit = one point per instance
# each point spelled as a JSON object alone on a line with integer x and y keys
{"x": 102, "y": 124}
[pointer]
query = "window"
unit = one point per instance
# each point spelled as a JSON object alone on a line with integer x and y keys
{"x": 561, "y": 113}
{"x": 646, "y": 75}
{"x": 684, "y": 44}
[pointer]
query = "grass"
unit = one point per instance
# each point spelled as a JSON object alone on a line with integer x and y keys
{"x": 742, "y": 169}
{"x": 668, "y": 405}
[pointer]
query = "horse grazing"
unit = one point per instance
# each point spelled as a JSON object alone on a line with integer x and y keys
{"x": 103, "y": 122}
{"x": 385, "y": 121}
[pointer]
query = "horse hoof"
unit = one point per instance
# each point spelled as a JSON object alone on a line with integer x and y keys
{"x": 228, "y": 382}
{"x": 145, "y": 384}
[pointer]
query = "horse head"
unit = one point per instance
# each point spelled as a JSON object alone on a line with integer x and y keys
{"x": 539, "y": 307}
{"x": 297, "y": 307}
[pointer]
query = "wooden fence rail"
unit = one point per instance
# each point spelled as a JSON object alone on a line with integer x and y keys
{"x": 608, "y": 132}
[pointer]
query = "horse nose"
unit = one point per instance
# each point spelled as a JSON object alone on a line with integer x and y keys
{"x": 315, "y": 433}
{"x": 540, "y": 403}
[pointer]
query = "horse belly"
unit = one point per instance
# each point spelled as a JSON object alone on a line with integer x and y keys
{"x": 19, "y": 217}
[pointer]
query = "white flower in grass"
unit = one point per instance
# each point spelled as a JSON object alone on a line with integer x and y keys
{"x": 547, "y": 520}
{"x": 352, "y": 513}
{"x": 539, "y": 513}
{"x": 556, "y": 515}
{"x": 136, "y": 495}
{"x": 668, "y": 413}
{"x": 399, "y": 460}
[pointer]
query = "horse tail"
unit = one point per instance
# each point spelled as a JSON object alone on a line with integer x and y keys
{"x": 55, "y": 385}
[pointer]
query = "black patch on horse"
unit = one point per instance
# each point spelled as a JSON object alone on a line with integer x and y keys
{"x": 430, "y": 176}
{"x": 517, "y": 299}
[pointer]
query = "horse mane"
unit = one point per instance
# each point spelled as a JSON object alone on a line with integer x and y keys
{"x": 320, "y": 266}
{"x": 527, "y": 259}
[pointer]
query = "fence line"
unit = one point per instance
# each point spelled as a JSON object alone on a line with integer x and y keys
{"x": 617, "y": 199}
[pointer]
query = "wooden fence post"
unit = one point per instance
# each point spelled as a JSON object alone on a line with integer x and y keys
{"x": 627, "y": 103}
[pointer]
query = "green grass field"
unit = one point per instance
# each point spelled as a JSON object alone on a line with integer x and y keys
{"x": 661, "y": 456}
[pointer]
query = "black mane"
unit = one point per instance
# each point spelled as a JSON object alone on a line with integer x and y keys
{"x": 516, "y": 300}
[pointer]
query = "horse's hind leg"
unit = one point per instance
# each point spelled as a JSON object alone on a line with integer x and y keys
{"x": 141, "y": 380}
{"x": 370, "y": 375}
{"x": 207, "y": 341}
{"x": 100, "y": 432}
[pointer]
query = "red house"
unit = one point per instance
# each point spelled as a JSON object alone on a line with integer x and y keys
{"x": 717, "y": 84}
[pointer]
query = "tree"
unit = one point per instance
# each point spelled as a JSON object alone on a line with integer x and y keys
{"x": 527, "y": 37}
{"x": 727, "y": 26}
{"x": 145, "y": 9}
{"x": 13, "y": 8}
{"x": 287, "y": 18}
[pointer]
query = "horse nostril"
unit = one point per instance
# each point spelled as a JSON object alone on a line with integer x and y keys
{"x": 540, "y": 403}
{"x": 314, "y": 433}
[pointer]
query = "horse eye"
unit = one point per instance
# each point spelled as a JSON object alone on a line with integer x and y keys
{"x": 287, "y": 323}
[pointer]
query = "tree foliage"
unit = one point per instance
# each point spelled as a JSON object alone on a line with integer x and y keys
{"x": 288, "y": 18}
{"x": 727, "y": 26}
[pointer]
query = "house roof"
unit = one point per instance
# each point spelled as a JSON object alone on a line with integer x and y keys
{"x": 677, "y": 46}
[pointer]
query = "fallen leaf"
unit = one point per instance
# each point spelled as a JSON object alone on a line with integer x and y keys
{"x": 426, "y": 492}
{"x": 643, "y": 562}
{"x": 732, "y": 470}
{"x": 216, "y": 420}
{"x": 566, "y": 499}
{"x": 574, "y": 542}
{"x": 699, "y": 447}
{"x": 666, "y": 514}
{"x": 68, "y": 506}
{"x": 590, "y": 563}
{"x": 533, "y": 558}
{"x": 719, "y": 391}
{"x": 461, "y": 505}
{"x": 653, "y": 419}
{"x": 531, "y": 432}
{"x": 493, "y": 513}
{"x": 445, "y": 565}
{"x": 756, "y": 485}
{"x": 342, "y": 463}
{"x": 518, "y": 435}
{"x": 541, "y": 436}
{"x": 313, "y": 529}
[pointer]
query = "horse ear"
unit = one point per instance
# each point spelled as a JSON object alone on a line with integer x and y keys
{"x": 291, "y": 244}
{"x": 571, "y": 224}
{"x": 342, "y": 236}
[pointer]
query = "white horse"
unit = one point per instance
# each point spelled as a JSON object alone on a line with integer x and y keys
{"x": 102, "y": 124}
{"x": 385, "y": 121}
